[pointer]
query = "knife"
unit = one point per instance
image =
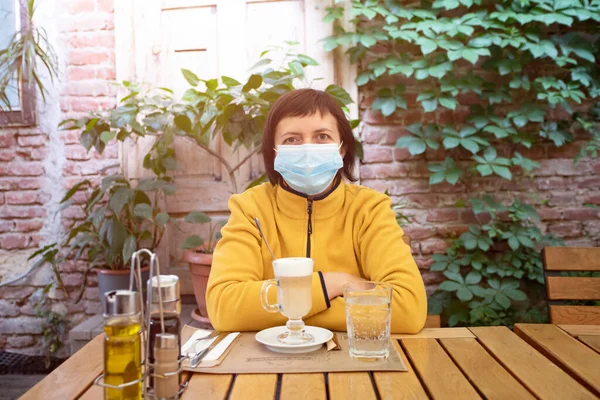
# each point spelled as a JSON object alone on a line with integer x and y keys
{"x": 201, "y": 354}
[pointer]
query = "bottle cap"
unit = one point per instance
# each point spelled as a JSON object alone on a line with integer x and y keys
{"x": 121, "y": 302}
{"x": 169, "y": 288}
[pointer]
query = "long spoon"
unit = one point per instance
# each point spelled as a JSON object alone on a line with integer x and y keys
{"x": 264, "y": 238}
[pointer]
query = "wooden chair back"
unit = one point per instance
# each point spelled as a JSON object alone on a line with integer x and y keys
{"x": 561, "y": 288}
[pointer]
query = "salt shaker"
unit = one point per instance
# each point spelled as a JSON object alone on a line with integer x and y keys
{"x": 166, "y": 361}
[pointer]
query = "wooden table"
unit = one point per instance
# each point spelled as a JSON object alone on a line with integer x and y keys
{"x": 534, "y": 361}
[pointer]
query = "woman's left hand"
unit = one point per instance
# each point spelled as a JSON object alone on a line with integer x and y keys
{"x": 335, "y": 281}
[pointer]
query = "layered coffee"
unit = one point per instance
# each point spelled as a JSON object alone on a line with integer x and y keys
{"x": 294, "y": 292}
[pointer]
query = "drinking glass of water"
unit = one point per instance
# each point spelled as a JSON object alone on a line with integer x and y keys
{"x": 368, "y": 317}
{"x": 293, "y": 278}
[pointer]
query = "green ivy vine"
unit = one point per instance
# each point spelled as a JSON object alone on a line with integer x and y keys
{"x": 522, "y": 72}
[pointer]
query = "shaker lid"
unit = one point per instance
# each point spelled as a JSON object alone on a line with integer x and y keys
{"x": 165, "y": 341}
{"x": 122, "y": 302}
{"x": 169, "y": 288}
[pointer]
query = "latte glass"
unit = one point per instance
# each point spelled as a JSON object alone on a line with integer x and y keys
{"x": 293, "y": 279}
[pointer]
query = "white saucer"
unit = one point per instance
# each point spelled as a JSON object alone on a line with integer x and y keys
{"x": 268, "y": 337}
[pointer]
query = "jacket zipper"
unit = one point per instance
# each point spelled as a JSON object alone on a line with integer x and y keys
{"x": 309, "y": 230}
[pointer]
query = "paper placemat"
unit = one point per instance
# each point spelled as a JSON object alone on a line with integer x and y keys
{"x": 247, "y": 356}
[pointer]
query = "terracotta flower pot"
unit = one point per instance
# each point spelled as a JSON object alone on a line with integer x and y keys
{"x": 109, "y": 280}
{"x": 200, "y": 264}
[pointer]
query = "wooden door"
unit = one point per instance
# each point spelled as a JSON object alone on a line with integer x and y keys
{"x": 211, "y": 38}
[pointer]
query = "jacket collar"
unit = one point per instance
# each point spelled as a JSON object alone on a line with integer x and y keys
{"x": 295, "y": 204}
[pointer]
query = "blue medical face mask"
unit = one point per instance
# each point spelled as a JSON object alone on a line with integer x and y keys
{"x": 308, "y": 168}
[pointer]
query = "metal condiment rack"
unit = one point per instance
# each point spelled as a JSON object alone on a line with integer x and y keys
{"x": 136, "y": 274}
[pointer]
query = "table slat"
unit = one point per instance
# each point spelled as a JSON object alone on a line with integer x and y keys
{"x": 535, "y": 371}
{"x": 591, "y": 340}
{"x": 436, "y": 333}
{"x": 73, "y": 377}
{"x": 303, "y": 386}
{"x": 576, "y": 330}
{"x": 441, "y": 377}
{"x": 564, "y": 350}
{"x": 492, "y": 380}
{"x": 350, "y": 386}
{"x": 93, "y": 393}
{"x": 207, "y": 386}
{"x": 253, "y": 386}
{"x": 390, "y": 384}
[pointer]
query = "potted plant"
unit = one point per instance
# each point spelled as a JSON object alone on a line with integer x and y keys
{"x": 199, "y": 255}
{"x": 118, "y": 218}
{"x": 119, "y": 215}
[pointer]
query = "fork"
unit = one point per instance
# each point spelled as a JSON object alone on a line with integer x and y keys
{"x": 212, "y": 335}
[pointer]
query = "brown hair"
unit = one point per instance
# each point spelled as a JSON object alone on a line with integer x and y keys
{"x": 301, "y": 103}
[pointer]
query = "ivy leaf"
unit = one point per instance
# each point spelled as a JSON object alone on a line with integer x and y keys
{"x": 406, "y": 70}
{"x": 516, "y": 295}
{"x": 363, "y": 78}
{"x": 367, "y": 40}
{"x": 450, "y": 286}
{"x": 502, "y": 171}
{"x": 503, "y": 300}
{"x": 464, "y": 294}
{"x": 330, "y": 43}
{"x": 427, "y": 45}
{"x": 469, "y": 240}
{"x": 470, "y": 55}
{"x": 448, "y": 102}
{"x": 387, "y": 105}
{"x": 478, "y": 290}
{"x": 430, "y": 105}
{"x": 482, "y": 41}
{"x": 513, "y": 242}
{"x": 484, "y": 170}
{"x": 414, "y": 144}
{"x": 525, "y": 163}
{"x": 473, "y": 277}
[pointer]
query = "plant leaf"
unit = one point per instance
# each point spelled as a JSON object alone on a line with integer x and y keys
{"x": 192, "y": 242}
{"x": 197, "y": 217}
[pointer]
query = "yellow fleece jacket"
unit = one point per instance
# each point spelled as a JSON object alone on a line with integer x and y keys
{"x": 353, "y": 230}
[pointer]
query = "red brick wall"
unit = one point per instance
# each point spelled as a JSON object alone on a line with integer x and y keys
{"x": 85, "y": 44}
{"x": 559, "y": 189}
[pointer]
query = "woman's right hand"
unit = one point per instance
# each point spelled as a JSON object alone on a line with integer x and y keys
{"x": 335, "y": 281}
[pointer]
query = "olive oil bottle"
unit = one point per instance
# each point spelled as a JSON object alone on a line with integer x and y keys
{"x": 122, "y": 345}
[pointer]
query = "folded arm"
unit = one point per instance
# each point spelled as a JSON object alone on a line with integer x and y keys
{"x": 236, "y": 277}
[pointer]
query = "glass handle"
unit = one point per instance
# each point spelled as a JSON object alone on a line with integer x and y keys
{"x": 264, "y": 296}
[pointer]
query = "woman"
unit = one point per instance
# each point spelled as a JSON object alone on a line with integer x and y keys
{"x": 350, "y": 231}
